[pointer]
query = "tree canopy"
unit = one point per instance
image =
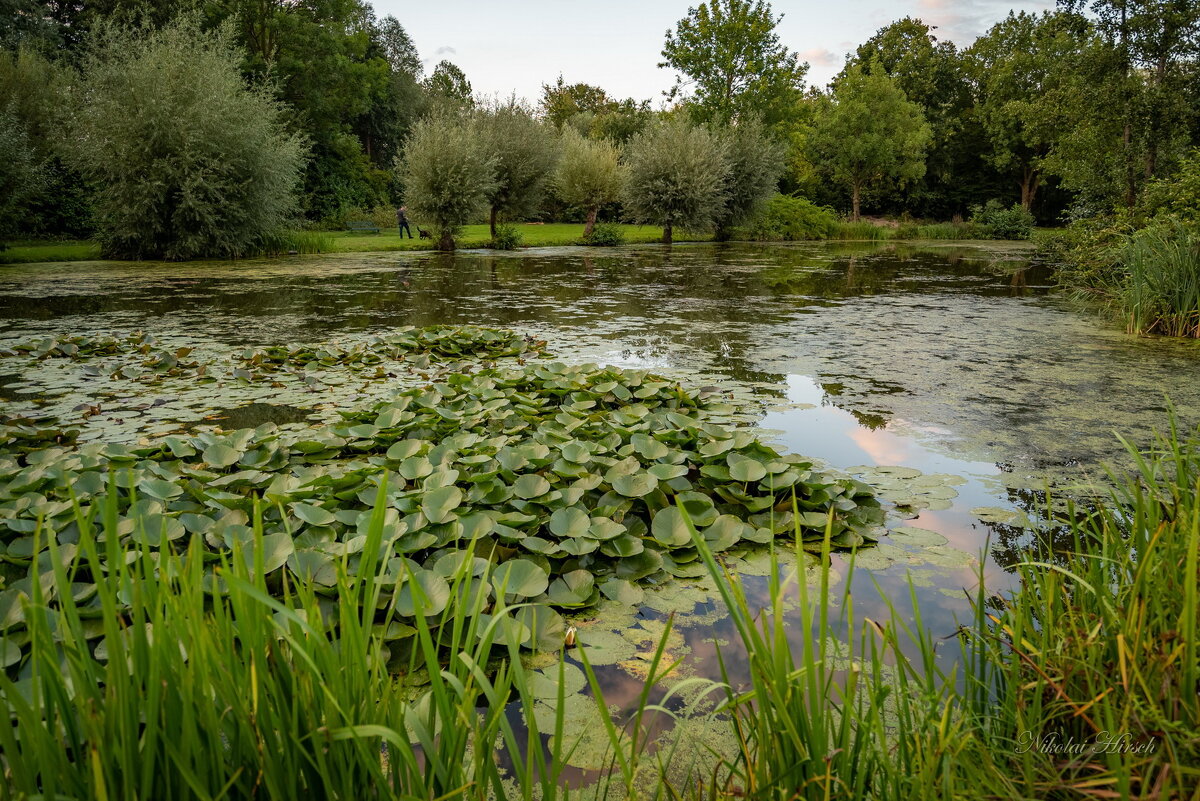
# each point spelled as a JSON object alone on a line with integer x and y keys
{"x": 732, "y": 62}
{"x": 677, "y": 176}
{"x": 869, "y": 133}
{"x": 187, "y": 159}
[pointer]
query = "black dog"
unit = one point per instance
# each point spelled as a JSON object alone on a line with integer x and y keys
{"x": 424, "y": 234}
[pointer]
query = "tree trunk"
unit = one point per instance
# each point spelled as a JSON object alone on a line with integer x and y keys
{"x": 1130, "y": 169}
{"x": 667, "y": 234}
{"x": 446, "y": 242}
{"x": 854, "y": 193}
{"x": 1029, "y": 186}
{"x": 591, "y": 222}
{"x": 492, "y": 222}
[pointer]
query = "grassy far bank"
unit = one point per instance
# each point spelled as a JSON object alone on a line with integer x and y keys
{"x": 477, "y": 236}
{"x": 473, "y": 236}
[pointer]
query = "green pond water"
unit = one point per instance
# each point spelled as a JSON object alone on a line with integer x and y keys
{"x": 948, "y": 375}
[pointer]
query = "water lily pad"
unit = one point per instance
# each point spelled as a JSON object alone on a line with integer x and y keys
{"x": 994, "y": 514}
{"x": 520, "y": 578}
{"x": 530, "y": 486}
{"x": 910, "y": 535}
{"x": 670, "y": 528}
{"x": 546, "y": 684}
{"x": 570, "y": 522}
{"x": 313, "y": 515}
{"x": 424, "y": 593}
{"x": 576, "y": 588}
{"x": 746, "y": 470}
{"x": 635, "y": 485}
{"x": 439, "y": 504}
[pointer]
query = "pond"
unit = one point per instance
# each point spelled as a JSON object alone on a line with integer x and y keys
{"x": 948, "y": 375}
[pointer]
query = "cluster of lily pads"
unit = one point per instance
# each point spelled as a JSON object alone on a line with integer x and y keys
{"x": 153, "y": 360}
{"x": 558, "y": 484}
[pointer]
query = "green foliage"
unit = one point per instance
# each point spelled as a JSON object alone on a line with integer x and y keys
{"x": 563, "y": 101}
{"x": 448, "y": 85}
{"x": 869, "y": 134}
{"x": 788, "y": 218}
{"x": 1015, "y": 222}
{"x": 448, "y": 173}
{"x": 605, "y": 235}
{"x": 755, "y": 161}
{"x": 1132, "y": 101}
{"x": 1023, "y": 67}
{"x": 677, "y": 175}
{"x": 1177, "y": 196}
{"x": 588, "y": 176}
{"x": 522, "y": 152}
{"x": 933, "y": 75}
{"x": 283, "y": 242}
{"x": 20, "y": 178}
{"x": 187, "y": 160}
{"x": 729, "y": 54}
{"x": 34, "y": 93}
{"x": 234, "y": 693}
{"x": 507, "y": 237}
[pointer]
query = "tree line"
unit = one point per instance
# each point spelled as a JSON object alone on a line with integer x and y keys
{"x": 308, "y": 109}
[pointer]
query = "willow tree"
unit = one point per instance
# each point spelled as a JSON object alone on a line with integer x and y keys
{"x": 755, "y": 160}
{"x": 868, "y": 134}
{"x": 449, "y": 173}
{"x": 676, "y": 177}
{"x": 588, "y": 176}
{"x": 522, "y": 151}
{"x": 188, "y": 160}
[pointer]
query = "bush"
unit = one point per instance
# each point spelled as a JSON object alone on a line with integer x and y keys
{"x": 605, "y": 235}
{"x": 507, "y": 237}
{"x": 861, "y": 230}
{"x": 187, "y": 160}
{"x": 1015, "y": 222}
{"x": 787, "y": 218}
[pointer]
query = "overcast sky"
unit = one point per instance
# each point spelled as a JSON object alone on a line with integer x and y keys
{"x": 520, "y": 44}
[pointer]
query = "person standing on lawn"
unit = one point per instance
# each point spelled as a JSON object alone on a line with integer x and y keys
{"x": 402, "y": 222}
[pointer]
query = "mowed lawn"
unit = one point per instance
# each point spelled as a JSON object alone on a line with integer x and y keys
{"x": 535, "y": 235}
{"x": 472, "y": 236}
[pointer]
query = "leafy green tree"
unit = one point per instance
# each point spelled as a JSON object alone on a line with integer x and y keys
{"x": 188, "y": 160}
{"x": 932, "y": 75}
{"x": 398, "y": 47}
{"x": 1150, "y": 76}
{"x": 729, "y": 56}
{"x": 20, "y": 178}
{"x": 622, "y": 120}
{"x": 677, "y": 174}
{"x": 588, "y": 176}
{"x": 755, "y": 160}
{"x": 868, "y": 133}
{"x": 448, "y": 174}
{"x": 395, "y": 104}
{"x": 563, "y": 101}
{"x": 1021, "y": 68}
{"x": 34, "y": 91}
{"x": 449, "y": 83}
{"x": 523, "y": 153}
